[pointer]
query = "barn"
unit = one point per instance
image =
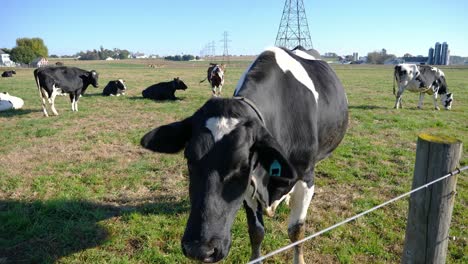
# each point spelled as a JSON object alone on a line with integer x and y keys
{"x": 39, "y": 62}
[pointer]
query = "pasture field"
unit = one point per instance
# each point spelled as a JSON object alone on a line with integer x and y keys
{"x": 78, "y": 188}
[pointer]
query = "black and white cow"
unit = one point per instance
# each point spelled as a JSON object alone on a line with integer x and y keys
{"x": 8, "y": 73}
{"x": 115, "y": 88}
{"x": 54, "y": 80}
{"x": 215, "y": 76}
{"x": 422, "y": 79}
{"x": 164, "y": 90}
{"x": 288, "y": 112}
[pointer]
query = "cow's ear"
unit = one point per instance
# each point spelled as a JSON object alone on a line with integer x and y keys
{"x": 281, "y": 174}
{"x": 170, "y": 138}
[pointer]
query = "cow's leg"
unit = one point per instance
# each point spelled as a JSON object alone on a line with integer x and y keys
{"x": 220, "y": 88}
{"x": 43, "y": 95}
{"x": 436, "y": 107}
{"x": 256, "y": 228}
{"x": 213, "y": 90}
{"x": 300, "y": 200}
{"x": 74, "y": 102}
{"x": 55, "y": 91}
{"x": 398, "y": 99}
{"x": 421, "y": 99}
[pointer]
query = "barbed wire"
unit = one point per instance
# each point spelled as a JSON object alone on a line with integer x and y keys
{"x": 455, "y": 172}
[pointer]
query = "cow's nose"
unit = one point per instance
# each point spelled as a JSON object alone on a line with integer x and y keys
{"x": 200, "y": 251}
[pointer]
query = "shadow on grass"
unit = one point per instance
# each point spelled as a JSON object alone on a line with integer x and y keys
{"x": 367, "y": 107}
{"x": 44, "y": 231}
{"x": 157, "y": 101}
{"x": 17, "y": 112}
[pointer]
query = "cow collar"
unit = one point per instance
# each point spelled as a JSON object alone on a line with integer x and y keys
{"x": 252, "y": 105}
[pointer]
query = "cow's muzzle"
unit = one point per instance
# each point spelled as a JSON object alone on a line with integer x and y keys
{"x": 207, "y": 252}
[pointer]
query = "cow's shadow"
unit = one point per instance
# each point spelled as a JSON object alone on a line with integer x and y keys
{"x": 17, "y": 112}
{"x": 43, "y": 232}
{"x": 366, "y": 107}
{"x": 136, "y": 98}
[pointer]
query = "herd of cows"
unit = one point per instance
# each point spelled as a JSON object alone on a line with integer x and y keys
{"x": 256, "y": 149}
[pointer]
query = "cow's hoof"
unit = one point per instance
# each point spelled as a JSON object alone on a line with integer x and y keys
{"x": 437, "y": 108}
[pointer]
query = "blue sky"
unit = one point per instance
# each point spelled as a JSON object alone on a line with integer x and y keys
{"x": 186, "y": 26}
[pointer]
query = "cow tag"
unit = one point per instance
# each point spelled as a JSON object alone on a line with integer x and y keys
{"x": 275, "y": 169}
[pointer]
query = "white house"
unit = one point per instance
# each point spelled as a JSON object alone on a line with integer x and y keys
{"x": 5, "y": 59}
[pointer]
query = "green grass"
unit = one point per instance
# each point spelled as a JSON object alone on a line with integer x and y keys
{"x": 78, "y": 188}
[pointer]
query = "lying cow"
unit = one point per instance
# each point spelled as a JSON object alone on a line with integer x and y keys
{"x": 422, "y": 79}
{"x": 288, "y": 113}
{"x": 115, "y": 88}
{"x": 8, "y": 102}
{"x": 70, "y": 80}
{"x": 215, "y": 76}
{"x": 8, "y": 73}
{"x": 164, "y": 90}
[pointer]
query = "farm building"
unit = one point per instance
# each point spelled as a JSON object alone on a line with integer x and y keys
{"x": 40, "y": 62}
{"x": 5, "y": 59}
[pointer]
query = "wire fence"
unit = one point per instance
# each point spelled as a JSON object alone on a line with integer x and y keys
{"x": 455, "y": 172}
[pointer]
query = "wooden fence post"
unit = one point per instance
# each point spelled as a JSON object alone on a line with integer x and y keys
{"x": 430, "y": 209}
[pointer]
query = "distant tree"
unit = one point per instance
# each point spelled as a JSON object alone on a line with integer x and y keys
{"x": 35, "y": 44}
{"x": 377, "y": 57}
{"x": 6, "y": 50}
{"x": 186, "y": 57}
{"x": 407, "y": 55}
{"x": 54, "y": 56}
{"x": 22, "y": 54}
{"x": 124, "y": 54}
{"x": 27, "y": 49}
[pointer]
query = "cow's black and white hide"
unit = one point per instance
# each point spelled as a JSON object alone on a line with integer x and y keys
{"x": 288, "y": 112}
{"x": 164, "y": 90}
{"x": 421, "y": 79}
{"x": 52, "y": 81}
{"x": 215, "y": 76}
{"x": 115, "y": 88}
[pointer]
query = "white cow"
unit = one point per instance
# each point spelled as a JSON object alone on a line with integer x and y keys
{"x": 8, "y": 102}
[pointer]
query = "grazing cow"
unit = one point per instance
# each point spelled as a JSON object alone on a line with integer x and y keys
{"x": 116, "y": 88}
{"x": 164, "y": 90}
{"x": 59, "y": 63}
{"x": 8, "y": 73}
{"x": 215, "y": 76}
{"x": 54, "y": 80}
{"x": 287, "y": 114}
{"x": 8, "y": 102}
{"x": 422, "y": 79}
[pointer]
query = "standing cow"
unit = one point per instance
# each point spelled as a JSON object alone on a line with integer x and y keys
{"x": 422, "y": 79}
{"x": 54, "y": 80}
{"x": 115, "y": 88}
{"x": 8, "y": 73}
{"x": 164, "y": 90}
{"x": 288, "y": 112}
{"x": 215, "y": 76}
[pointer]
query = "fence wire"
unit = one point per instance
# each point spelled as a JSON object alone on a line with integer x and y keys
{"x": 455, "y": 172}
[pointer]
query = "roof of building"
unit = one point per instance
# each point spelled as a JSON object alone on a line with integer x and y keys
{"x": 2, "y": 52}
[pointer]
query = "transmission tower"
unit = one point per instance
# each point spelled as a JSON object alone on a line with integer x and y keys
{"x": 226, "y": 41}
{"x": 293, "y": 29}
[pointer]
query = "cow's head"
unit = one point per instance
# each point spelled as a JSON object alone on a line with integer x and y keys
{"x": 121, "y": 84}
{"x": 93, "y": 78}
{"x": 405, "y": 73}
{"x": 447, "y": 100}
{"x": 179, "y": 84}
{"x": 223, "y": 149}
